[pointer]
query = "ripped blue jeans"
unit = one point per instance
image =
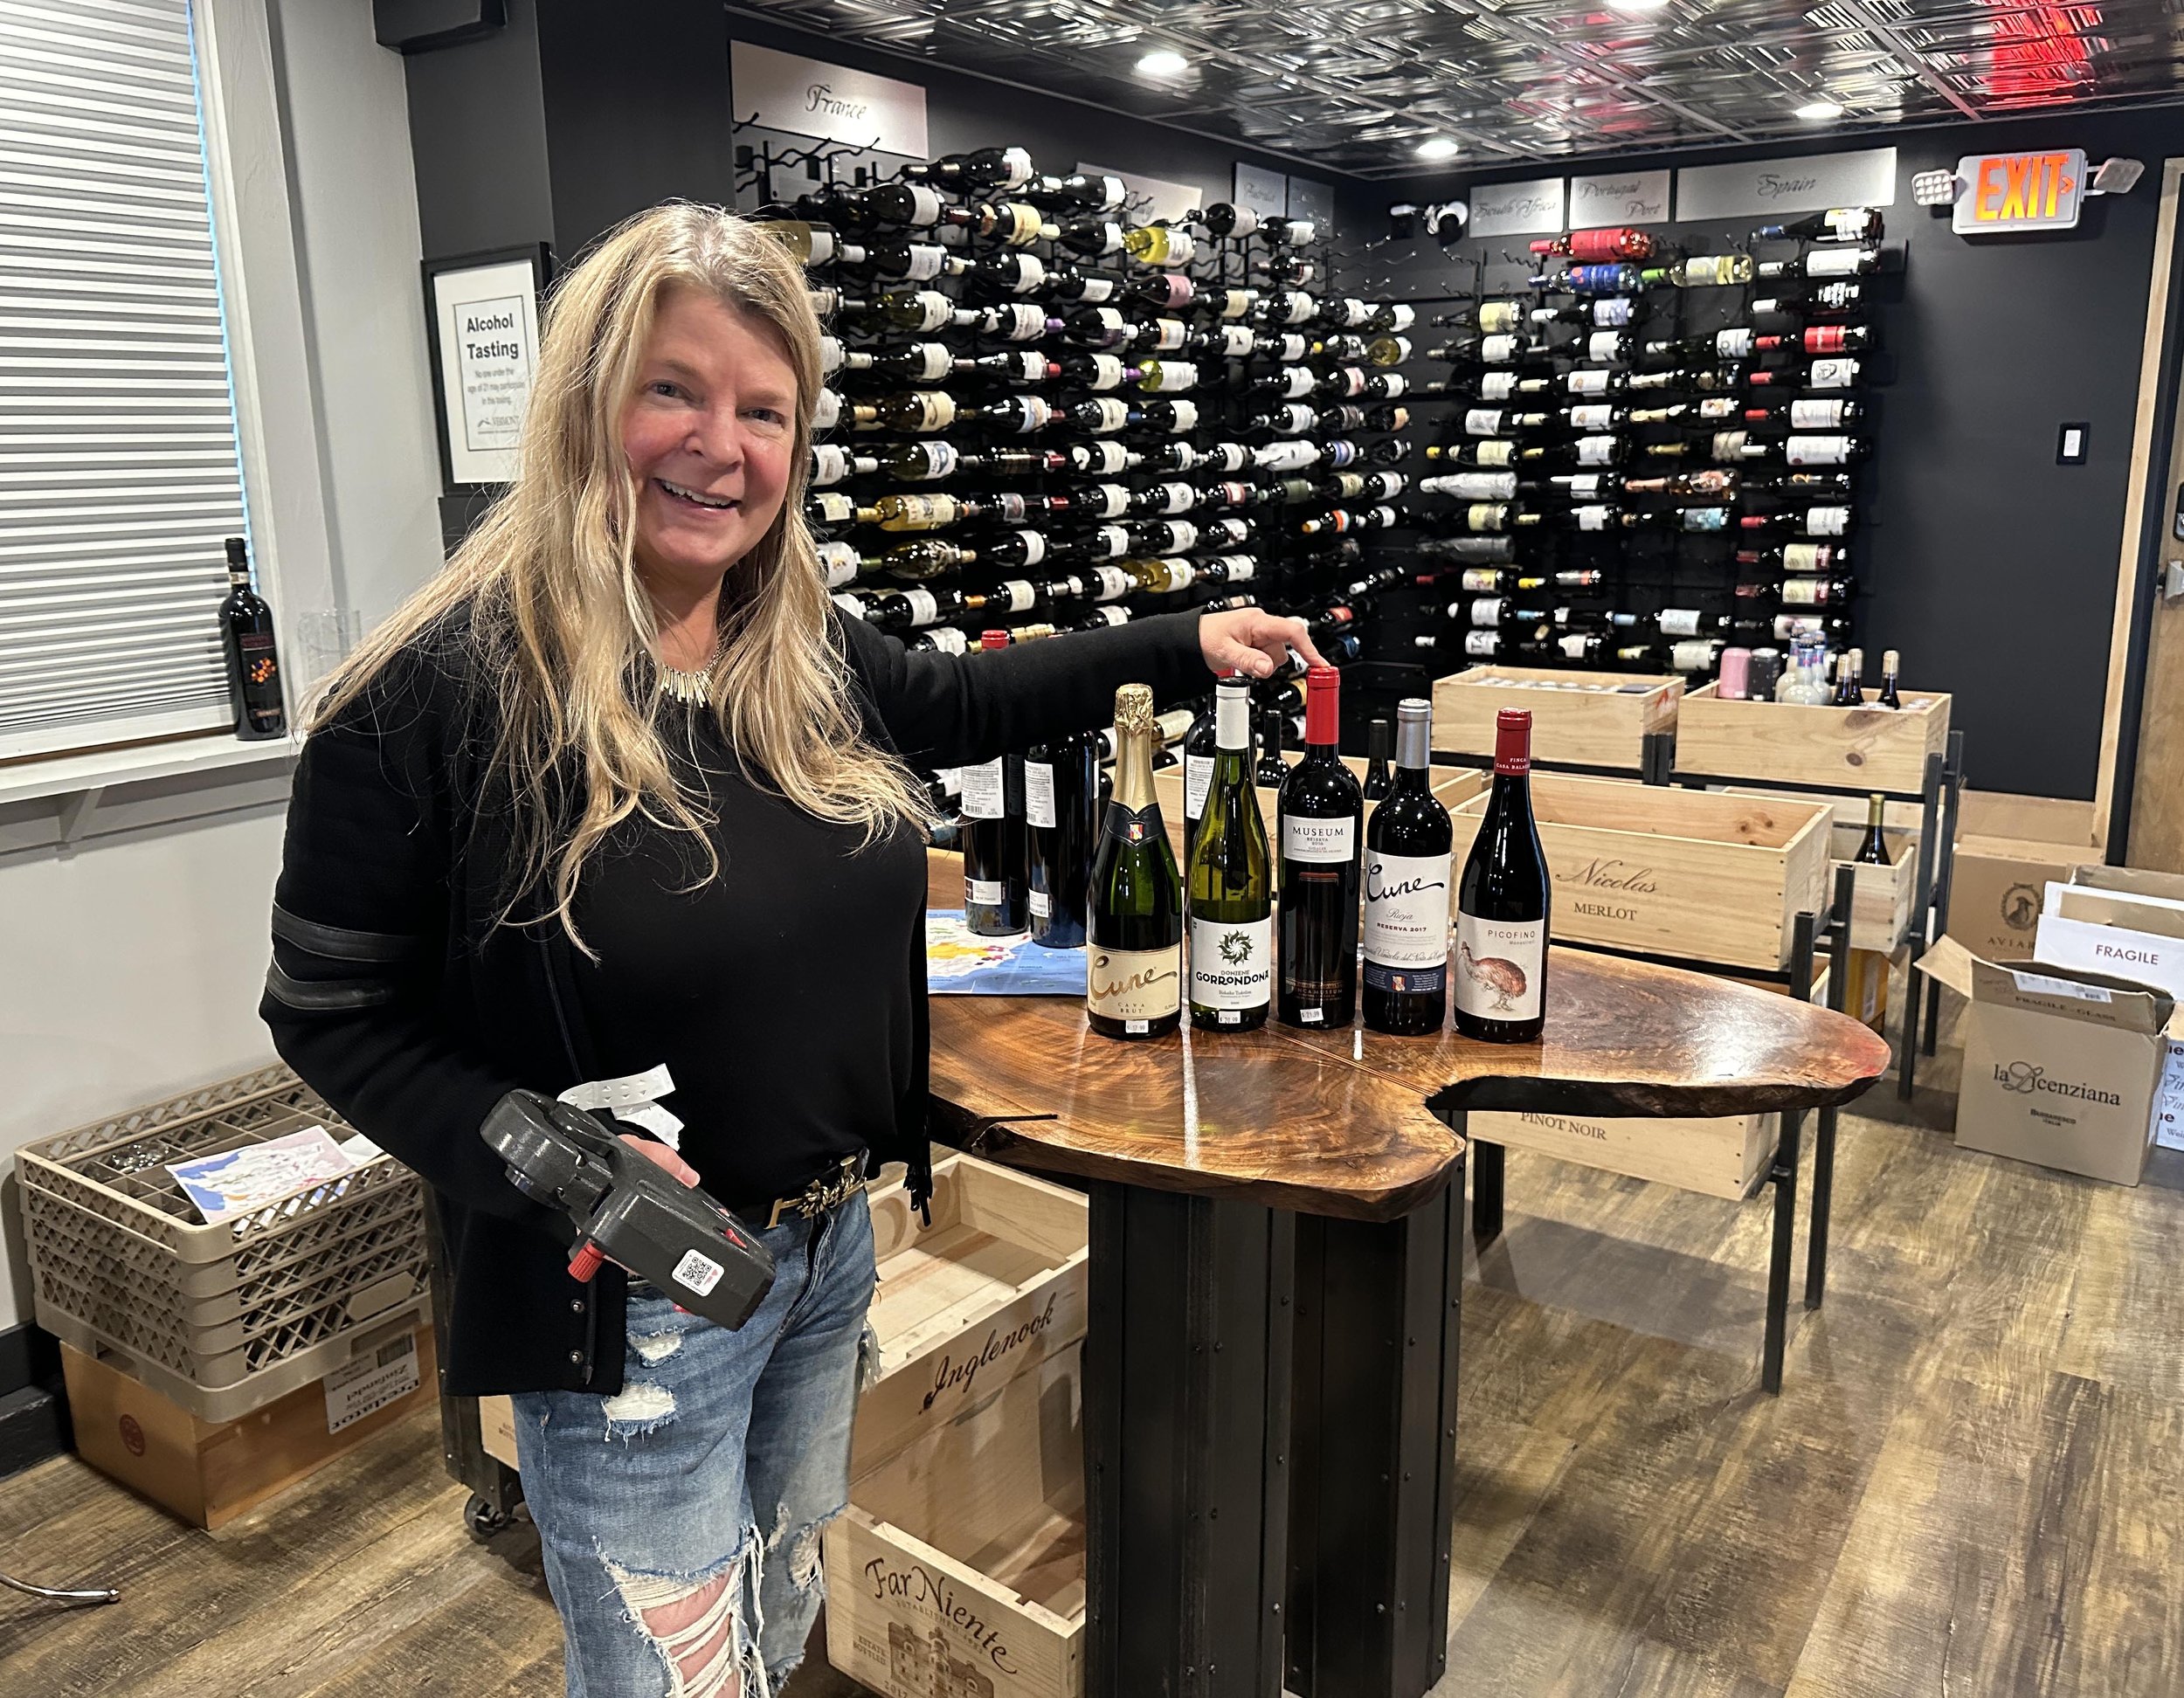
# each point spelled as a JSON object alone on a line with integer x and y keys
{"x": 681, "y": 1518}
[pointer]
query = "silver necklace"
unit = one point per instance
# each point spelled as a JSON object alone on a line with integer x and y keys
{"x": 688, "y": 687}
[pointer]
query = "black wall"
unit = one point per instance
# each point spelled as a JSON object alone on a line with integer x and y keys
{"x": 1991, "y": 567}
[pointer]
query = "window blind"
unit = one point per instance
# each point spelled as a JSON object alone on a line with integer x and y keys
{"x": 119, "y": 474}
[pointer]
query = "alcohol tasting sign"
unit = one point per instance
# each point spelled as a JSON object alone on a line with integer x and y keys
{"x": 808, "y": 97}
{"x": 2020, "y": 191}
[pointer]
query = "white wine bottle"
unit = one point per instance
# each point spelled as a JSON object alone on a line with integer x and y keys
{"x": 1231, "y": 924}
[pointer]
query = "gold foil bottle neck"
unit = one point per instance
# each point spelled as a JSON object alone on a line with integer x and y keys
{"x": 1133, "y": 708}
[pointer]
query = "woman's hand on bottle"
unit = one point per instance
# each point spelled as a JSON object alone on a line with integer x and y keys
{"x": 653, "y": 1150}
{"x": 1252, "y": 641}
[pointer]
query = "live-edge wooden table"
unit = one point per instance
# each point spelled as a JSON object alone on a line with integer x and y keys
{"x": 1271, "y": 1354}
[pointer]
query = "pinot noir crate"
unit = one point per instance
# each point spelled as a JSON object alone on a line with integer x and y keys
{"x": 1578, "y": 718}
{"x": 1693, "y": 874}
{"x": 1870, "y": 749}
{"x": 1725, "y": 1156}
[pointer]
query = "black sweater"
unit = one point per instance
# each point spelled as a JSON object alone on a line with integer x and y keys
{"x": 394, "y": 994}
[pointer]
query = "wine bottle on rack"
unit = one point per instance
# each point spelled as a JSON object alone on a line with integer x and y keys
{"x": 1407, "y": 889}
{"x": 1061, "y": 783}
{"x": 1322, "y": 809}
{"x": 1134, "y": 922}
{"x": 1502, "y": 903}
{"x": 253, "y": 658}
{"x": 1838, "y": 223}
{"x": 1380, "y": 747}
{"x": 994, "y": 903}
{"x": 1231, "y": 928}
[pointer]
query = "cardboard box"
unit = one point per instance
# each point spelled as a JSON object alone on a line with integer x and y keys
{"x": 2009, "y": 848}
{"x": 2062, "y": 1066}
{"x": 208, "y": 1473}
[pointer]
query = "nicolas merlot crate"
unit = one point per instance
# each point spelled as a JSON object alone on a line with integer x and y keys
{"x": 959, "y": 1565}
{"x": 1690, "y": 873}
{"x": 1869, "y": 748}
{"x": 1578, "y": 718}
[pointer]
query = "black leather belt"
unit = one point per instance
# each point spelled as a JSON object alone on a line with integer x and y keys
{"x": 829, "y": 1191}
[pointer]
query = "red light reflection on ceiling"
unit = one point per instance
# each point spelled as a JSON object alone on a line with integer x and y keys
{"x": 2039, "y": 53}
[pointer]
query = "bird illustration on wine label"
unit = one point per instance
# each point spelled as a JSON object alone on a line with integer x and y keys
{"x": 1505, "y": 979}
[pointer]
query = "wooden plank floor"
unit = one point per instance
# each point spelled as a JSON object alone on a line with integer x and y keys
{"x": 1970, "y": 1485}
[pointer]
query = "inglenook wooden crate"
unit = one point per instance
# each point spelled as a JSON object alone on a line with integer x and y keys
{"x": 991, "y": 1289}
{"x": 1724, "y": 1156}
{"x": 1694, "y": 874}
{"x": 959, "y": 1565}
{"x": 1578, "y": 718}
{"x": 1873, "y": 748}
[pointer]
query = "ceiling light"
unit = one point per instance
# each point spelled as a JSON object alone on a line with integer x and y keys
{"x": 1163, "y": 62}
{"x": 1439, "y": 147}
{"x": 1819, "y": 112}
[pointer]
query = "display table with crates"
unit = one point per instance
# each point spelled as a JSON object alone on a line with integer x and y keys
{"x": 210, "y": 1364}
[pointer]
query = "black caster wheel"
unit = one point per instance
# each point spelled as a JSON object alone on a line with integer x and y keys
{"x": 482, "y": 1519}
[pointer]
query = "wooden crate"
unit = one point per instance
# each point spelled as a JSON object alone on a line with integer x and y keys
{"x": 1454, "y": 785}
{"x": 208, "y": 1473}
{"x": 1724, "y": 1156}
{"x": 994, "y": 1286}
{"x": 1590, "y": 726}
{"x": 991, "y": 1289}
{"x": 1872, "y": 748}
{"x": 1881, "y": 901}
{"x": 959, "y": 1565}
{"x": 1688, "y": 873}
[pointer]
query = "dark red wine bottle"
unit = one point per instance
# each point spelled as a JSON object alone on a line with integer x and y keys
{"x": 1407, "y": 889}
{"x": 254, "y": 659}
{"x": 1061, "y": 790}
{"x": 1502, "y": 904}
{"x": 994, "y": 894}
{"x": 1322, "y": 809}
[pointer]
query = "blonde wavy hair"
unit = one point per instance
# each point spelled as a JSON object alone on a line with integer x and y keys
{"x": 561, "y": 626}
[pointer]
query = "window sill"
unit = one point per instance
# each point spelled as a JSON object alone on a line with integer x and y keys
{"x": 87, "y": 776}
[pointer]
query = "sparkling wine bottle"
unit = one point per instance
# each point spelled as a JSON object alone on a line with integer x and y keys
{"x": 1134, "y": 926}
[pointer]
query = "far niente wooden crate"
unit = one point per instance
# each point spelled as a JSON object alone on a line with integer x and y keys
{"x": 1690, "y": 873}
{"x": 1726, "y": 1156}
{"x": 1454, "y": 785}
{"x": 958, "y": 1567}
{"x": 1873, "y": 748}
{"x": 1590, "y": 726}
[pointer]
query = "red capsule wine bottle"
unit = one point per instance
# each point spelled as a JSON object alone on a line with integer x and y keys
{"x": 1321, "y": 810}
{"x": 1502, "y": 904}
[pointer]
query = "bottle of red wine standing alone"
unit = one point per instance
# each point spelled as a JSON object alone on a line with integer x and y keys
{"x": 1502, "y": 904}
{"x": 1322, "y": 806}
{"x": 993, "y": 893}
{"x": 253, "y": 662}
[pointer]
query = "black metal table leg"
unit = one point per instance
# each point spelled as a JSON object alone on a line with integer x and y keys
{"x": 1784, "y": 1174}
{"x": 1186, "y": 1419}
{"x": 1844, "y": 896}
{"x": 1486, "y": 1192}
{"x": 1376, "y": 1425}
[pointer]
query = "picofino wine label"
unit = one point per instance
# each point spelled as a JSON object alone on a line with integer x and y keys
{"x": 1500, "y": 967}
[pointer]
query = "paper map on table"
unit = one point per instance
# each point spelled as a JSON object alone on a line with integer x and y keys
{"x": 959, "y": 963}
{"x": 236, "y": 1181}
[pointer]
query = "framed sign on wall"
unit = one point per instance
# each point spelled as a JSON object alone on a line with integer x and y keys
{"x": 482, "y": 323}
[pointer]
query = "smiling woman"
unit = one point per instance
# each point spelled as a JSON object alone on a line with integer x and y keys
{"x": 621, "y": 796}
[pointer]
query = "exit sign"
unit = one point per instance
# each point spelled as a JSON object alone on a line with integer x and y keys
{"x": 2020, "y": 191}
